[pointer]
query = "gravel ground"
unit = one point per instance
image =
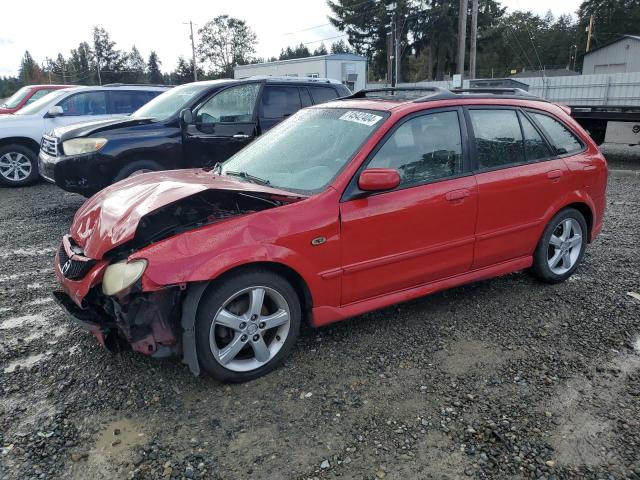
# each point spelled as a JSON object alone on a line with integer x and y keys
{"x": 506, "y": 378}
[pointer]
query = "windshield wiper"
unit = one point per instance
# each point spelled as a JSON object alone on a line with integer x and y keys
{"x": 247, "y": 176}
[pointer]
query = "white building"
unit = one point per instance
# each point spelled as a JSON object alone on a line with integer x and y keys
{"x": 619, "y": 56}
{"x": 347, "y": 68}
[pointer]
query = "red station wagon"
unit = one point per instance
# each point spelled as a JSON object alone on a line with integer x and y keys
{"x": 344, "y": 208}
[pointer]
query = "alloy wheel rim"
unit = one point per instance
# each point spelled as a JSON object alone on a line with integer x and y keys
{"x": 250, "y": 328}
{"x": 14, "y": 166}
{"x": 565, "y": 245}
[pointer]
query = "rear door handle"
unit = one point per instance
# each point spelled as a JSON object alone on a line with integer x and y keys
{"x": 554, "y": 174}
{"x": 241, "y": 135}
{"x": 454, "y": 195}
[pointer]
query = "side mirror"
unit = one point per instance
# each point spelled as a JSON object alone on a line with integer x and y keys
{"x": 186, "y": 117}
{"x": 379, "y": 179}
{"x": 55, "y": 111}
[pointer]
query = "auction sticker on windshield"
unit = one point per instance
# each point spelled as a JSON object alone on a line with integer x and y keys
{"x": 364, "y": 118}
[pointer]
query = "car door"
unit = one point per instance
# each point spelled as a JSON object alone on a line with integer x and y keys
{"x": 519, "y": 177}
{"x": 79, "y": 107}
{"x": 223, "y": 124}
{"x": 278, "y": 102}
{"x": 421, "y": 231}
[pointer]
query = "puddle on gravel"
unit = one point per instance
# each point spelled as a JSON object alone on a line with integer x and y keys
{"x": 463, "y": 356}
{"x": 130, "y": 434}
{"x": 583, "y": 435}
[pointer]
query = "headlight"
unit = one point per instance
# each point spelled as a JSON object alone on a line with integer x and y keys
{"x": 122, "y": 275}
{"x": 78, "y": 146}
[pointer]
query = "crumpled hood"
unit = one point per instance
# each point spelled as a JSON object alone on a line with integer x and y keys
{"x": 110, "y": 218}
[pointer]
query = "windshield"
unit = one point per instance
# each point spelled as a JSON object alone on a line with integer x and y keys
{"x": 169, "y": 103}
{"x": 307, "y": 151}
{"x": 36, "y": 106}
{"x": 15, "y": 99}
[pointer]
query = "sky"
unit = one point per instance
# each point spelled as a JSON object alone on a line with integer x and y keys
{"x": 45, "y": 28}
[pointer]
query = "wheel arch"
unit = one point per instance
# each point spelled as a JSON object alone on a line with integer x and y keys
{"x": 27, "y": 142}
{"x": 586, "y": 212}
{"x": 292, "y": 276}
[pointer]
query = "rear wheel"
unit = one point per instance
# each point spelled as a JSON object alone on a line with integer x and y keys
{"x": 561, "y": 247}
{"x": 18, "y": 165}
{"x": 246, "y": 325}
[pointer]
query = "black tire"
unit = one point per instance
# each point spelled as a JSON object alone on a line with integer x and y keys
{"x": 16, "y": 151}
{"x": 217, "y": 296}
{"x": 141, "y": 166}
{"x": 541, "y": 268}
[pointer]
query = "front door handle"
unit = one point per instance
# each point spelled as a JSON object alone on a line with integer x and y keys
{"x": 241, "y": 136}
{"x": 554, "y": 174}
{"x": 455, "y": 195}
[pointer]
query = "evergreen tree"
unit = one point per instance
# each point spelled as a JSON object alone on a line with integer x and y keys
{"x": 110, "y": 60}
{"x": 30, "y": 72}
{"x": 153, "y": 67}
{"x": 82, "y": 65}
{"x": 321, "y": 50}
{"x": 135, "y": 67}
{"x": 340, "y": 47}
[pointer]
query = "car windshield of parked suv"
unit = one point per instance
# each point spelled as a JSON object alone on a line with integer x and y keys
{"x": 15, "y": 99}
{"x": 36, "y": 106}
{"x": 305, "y": 152}
{"x": 169, "y": 103}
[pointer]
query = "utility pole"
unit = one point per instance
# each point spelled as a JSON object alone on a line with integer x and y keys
{"x": 396, "y": 52}
{"x": 389, "y": 58}
{"x": 462, "y": 35}
{"x": 98, "y": 65}
{"x": 590, "y": 33}
{"x": 193, "y": 52}
{"x": 474, "y": 39}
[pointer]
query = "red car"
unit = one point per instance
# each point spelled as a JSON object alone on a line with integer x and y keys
{"x": 344, "y": 208}
{"x": 27, "y": 95}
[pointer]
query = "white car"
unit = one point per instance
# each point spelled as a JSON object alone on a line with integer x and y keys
{"x": 21, "y": 132}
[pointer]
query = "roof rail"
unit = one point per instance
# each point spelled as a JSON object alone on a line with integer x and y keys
{"x": 281, "y": 78}
{"x": 518, "y": 92}
{"x": 390, "y": 92}
{"x": 120, "y": 84}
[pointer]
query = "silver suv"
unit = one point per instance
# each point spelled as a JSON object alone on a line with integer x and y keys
{"x": 21, "y": 133}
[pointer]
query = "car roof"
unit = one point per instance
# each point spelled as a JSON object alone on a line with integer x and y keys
{"x": 267, "y": 79}
{"x": 422, "y": 98}
{"x": 116, "y": 87}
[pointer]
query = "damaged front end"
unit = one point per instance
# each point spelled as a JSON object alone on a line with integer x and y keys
{"x": 110, "y": 297}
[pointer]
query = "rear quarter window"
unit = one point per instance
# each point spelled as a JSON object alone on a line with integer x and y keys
{"x": 561, "y": 138}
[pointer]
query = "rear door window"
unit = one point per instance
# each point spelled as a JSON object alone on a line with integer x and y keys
{"x": 560, "y": 136}
{"x": 124, "y": 102}
{"x": 279, "y": 102}
{"x": 322, "y": 94}
{"x": 498, "y": 138}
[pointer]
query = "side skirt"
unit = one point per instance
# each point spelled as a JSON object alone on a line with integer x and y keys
{"x": 325, "y": 315}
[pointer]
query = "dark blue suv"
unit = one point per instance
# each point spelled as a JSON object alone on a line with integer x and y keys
{"x": 193, "y": 125}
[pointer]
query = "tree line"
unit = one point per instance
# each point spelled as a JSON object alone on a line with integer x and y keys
{"x": 507, "y": 43}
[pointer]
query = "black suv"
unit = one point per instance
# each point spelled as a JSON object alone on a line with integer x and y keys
{"x": 193, "y": 125}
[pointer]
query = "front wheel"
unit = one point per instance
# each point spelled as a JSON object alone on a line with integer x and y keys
{"x": 18, "y": 165}
{"x": 246, "y": 325}
{"x": 561, "y": 247}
